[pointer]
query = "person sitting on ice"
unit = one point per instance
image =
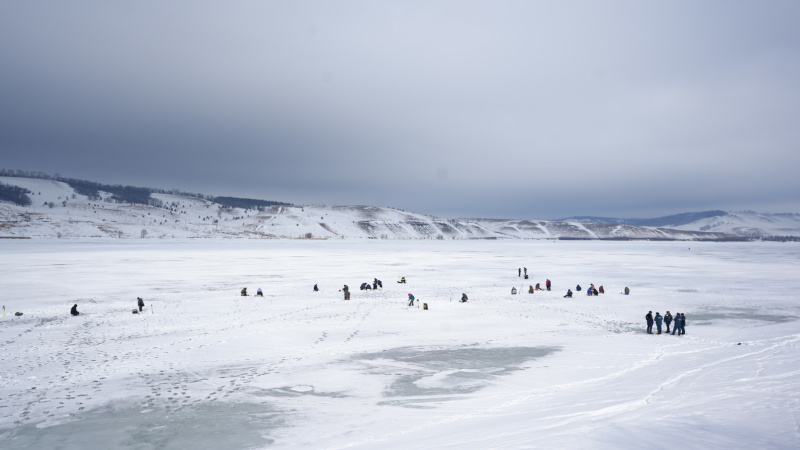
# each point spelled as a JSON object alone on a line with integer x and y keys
{"x": 600, "y": 290}
{"x": 259, "y": 293}
{"x": 410, "y": 299}
{"x": 627, "y": 291}
{"x": 594, "y": 292}
{"x": 74, "y": 310}
{"x": 464, "y": 298}
{"x": 538, "y": 288}
{"x": 569, "y": 294}
{"x": 402, "y": 280}
{"x": 530, "y": 289}
{"x": 315, "y": 287}
{"x": 244, "y": 292}
{"x": 513, "y": 291}
{"x": 578, "y": 288}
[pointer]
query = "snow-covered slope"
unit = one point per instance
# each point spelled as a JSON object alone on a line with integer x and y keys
{"x": 749, "y": 224}
{"x": 57, "y": 211}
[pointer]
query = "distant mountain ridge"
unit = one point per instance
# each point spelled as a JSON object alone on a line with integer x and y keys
{"x": 665, "y": 221}
{"x": 59, "y": 210}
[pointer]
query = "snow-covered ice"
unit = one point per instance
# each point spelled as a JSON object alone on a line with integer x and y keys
{"x": 203, "y": 367}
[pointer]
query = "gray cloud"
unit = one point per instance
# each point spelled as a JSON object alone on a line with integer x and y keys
{"x": 513, "y": 109}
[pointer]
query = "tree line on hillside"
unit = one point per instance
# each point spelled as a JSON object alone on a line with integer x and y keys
{"x": 125, "y": 194}
{"x": 247, "y": 203}
{"x": 14, "y": 194}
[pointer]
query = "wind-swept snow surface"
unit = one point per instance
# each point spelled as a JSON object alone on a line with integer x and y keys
{"x": 203, "y": 367}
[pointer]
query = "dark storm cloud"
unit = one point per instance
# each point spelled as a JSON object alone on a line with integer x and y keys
{"x": 513, "y": 109}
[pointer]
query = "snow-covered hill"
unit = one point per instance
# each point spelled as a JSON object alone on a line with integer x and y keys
{"x": 750, "y": 224}
{"x": 58, "y": 211}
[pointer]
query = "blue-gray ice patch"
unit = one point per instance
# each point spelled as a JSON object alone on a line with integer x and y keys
{"x": 212, "y": 425}
{"x": 427, "y": 375}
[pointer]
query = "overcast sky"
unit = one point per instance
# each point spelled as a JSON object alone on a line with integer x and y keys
{"x": 525, "y": 109}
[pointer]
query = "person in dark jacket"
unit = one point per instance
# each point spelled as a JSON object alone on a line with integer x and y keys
{"x": 519, "y": 272}
{"x": 537, "y": 287}
{"x": 410, "y": 299}
{"x": 600, "y": 290}
{"x": 316, "y": 288}
{"x": 649, "y": 318}
{"x": 578, "y": 288}
{"x": 683, "y": 323}
{"x": 658, "y": 320}
{"x": 346, "y": 291}
{"x": 677, "y": 325}
{"x": 244, "y": 292}
{"x": 464, "y": 298}
{"x": 74, "y": 310}
{"x": 594, "y": 292}
{"x": 569, "y": 294}
{"x": 259, "y": 293}
{"x": 667, "y": 320}
{"x": 547, "y": 284}
{"x": 140, "y": 302}
{"x": 627, "y": 291}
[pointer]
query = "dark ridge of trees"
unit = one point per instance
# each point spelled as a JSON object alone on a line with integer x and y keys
{"x": 119, "y": 193}
{"x": 14, "y": 194}
{"x": 247, "y": 203}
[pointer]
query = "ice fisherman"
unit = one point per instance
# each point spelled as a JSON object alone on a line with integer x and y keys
{"x": 346, "y": 291}
{"x": 410, "y": 299}
{"x": 316, "y": 289}
{"x": 402, "y": 280}
{"x": 519, "y": 272}
{"x": 547, "y": 284}
{"x": 680, "y": 324}
{"x": 244, "y": 292}
{"x": 537, "y": 287}
{"x": 140, "y": 302}
{"x": 464, "y": 298}
{"x": 600, "y": 290}
{"x": 658, "y": 320}
{"x": 259, "y": 293}
{"x": 627, "y": 291}
{"x": 513, "y": 291}
{"x": 649, "y": 318}
{"x": 569, "y": 294}
{"x": 667, "y": 320}
{"x": 74, "y": 310}
{"x": 530, "y": 289}
{"x": 578, "y": 288}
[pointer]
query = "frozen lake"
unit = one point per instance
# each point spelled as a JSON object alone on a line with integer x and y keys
{"x": 203, "y": 367}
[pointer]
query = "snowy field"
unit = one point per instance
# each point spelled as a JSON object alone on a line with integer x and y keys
{"x": 203, "y": 367}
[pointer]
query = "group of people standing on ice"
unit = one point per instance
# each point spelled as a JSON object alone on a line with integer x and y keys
{"x": 667, "y": 319}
